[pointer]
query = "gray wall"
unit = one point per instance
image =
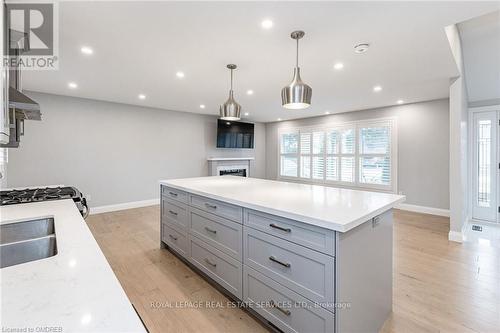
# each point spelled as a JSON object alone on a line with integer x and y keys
{"x": 423, "y": 147}
{"x": 116, "y": 152}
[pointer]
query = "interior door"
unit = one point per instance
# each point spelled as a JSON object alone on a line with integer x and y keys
{"x": 485, "y": 166}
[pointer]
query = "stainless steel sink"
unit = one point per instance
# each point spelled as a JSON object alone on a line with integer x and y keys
{"x": 27, "y": 241}
{"x": 18, "y": 231}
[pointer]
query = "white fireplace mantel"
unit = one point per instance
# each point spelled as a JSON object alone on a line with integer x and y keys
{"x": 230, "y": 158}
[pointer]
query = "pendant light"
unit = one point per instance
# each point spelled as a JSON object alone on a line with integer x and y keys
{"x": 230, "y": 110}
{"x": 297, "y": 95}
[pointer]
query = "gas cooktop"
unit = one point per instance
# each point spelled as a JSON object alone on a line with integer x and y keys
{"x": 13, "y": 197}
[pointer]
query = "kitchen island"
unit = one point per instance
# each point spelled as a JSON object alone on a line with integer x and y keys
{"x": 73, "y": 289}
{"x": 304, "y": 258}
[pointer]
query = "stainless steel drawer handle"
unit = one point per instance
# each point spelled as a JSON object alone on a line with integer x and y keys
{"x": 173, "y": 237}
{"x": 284, "y": 311}
{"x": 286, "y": 264}
{"x": 210, "y": 206}
{"x": 272, "y": 225}
{"x": 172, "y": 212}
{"x": 173, "y": 194}
{"x": 211, "y": 230}
{"x": 210, "y": 263}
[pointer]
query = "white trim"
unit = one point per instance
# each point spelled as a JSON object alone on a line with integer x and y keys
{"x": 423, "y": 209}
{"x": 230, "y": 158}
{"x": 122, "y": 206}
{"x": 456, "y": 236}
{"x": 484, "y": 108}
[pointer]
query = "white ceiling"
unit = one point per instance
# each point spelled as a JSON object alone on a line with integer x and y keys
{"x": 139, "y": 47}
{"x": 481, "y": 48}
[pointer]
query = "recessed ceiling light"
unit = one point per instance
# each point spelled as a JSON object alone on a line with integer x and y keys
{"x": 377, "y": 88}
{"x": 246, "y": 113}
{"x": 327, "y": 112}
{"x": 400, "y": 101}
{"x": 267, "y": 24}
{"x": 338, "y": 66}
{"x": 179, "y": 74}
{"x": 72, "y": 85}
{"x": 361, "y": 48}
{"x": 86, "y": 50}
{"x": 249, "y": 92}
{"x": 202, "y": 106}
{"x": 142, "y": 96}
{"x": 279, "y": 119}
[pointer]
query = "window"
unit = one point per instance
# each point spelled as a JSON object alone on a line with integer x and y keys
{"x": 356, "y": 154}
{"x": 289, "y": 143}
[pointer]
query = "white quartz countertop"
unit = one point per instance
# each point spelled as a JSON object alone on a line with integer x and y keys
{"x": 333, "y": 208}
{"x": 75, "y": 290}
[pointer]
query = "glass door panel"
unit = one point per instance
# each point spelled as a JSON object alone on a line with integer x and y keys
{"x": 484, "y": 165}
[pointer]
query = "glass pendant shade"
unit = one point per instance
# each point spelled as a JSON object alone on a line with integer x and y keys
{"x": 297, "y": 95}
{"x": 230, "y": 110}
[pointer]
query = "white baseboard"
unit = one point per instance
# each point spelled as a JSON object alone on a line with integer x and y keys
{"x": 424, "y": 209}
{"x": 456, "y": 236}
{"x": 122, "y": 206}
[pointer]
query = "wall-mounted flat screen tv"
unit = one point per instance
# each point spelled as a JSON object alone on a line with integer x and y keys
{"x": 234, "y": 134}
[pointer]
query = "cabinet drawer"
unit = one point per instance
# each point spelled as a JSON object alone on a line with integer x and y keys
{"x": 175, "y": 214}
{"x": 316, "y": 238}
{"x": 174, "y": 194}
{"x": 178, "y": 241}
{"x": 283, "y": 307}
{"x": 305, "y": 271}
{"x": 226, "y": 271}
{"x": 219, "y": 208}
{"x": 221, "y": 233}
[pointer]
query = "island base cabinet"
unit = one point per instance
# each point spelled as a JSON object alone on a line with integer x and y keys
{"x": 364, "y": 276}
{"x": 282, "y": 307}
{"x": 223, "y": 269}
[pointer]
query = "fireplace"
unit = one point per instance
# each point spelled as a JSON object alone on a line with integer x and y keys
{"x": 232, "y": 170}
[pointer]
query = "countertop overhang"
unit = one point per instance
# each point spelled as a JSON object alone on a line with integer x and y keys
{"x": 76, "y": 290}
{"x": 333, "y": 208}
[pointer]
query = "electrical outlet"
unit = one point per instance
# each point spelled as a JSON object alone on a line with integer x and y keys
{"x": 400, "y": 192}
{"x": 88, "y": 197}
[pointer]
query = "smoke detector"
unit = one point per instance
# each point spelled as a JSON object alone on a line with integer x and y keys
{"x": 361, "y": 48}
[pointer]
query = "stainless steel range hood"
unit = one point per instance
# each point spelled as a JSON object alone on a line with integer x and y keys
{"x": 19, "y": 43}
{"x": 24, "y": 104}
{"x": 21, "y": 107}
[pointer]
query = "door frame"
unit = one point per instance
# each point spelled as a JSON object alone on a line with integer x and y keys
{"x": 471, "y": 160}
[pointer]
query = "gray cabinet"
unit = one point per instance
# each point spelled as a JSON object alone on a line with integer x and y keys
{"x": 225, "y": 270}
{"x": 217, "y": 207}
{"x": 174, "y": 194}
{"x": 175, "y": 214}
{"x": 287, "y": 310}
{"x": 177, "y": 240}
{"x": 304, "y": 271}
{"x": 221, "y": 233}
{"x": 296, "y": 276}
{"x": 316, "y": 238}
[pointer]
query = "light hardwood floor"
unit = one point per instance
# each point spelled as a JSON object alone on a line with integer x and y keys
{"x": 439, "y": 286}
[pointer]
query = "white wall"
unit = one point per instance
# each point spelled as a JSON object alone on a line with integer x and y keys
{"x": 459, "y": 204}
{"x": 423, "y": 142}
{"x": 116, "y": 152}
